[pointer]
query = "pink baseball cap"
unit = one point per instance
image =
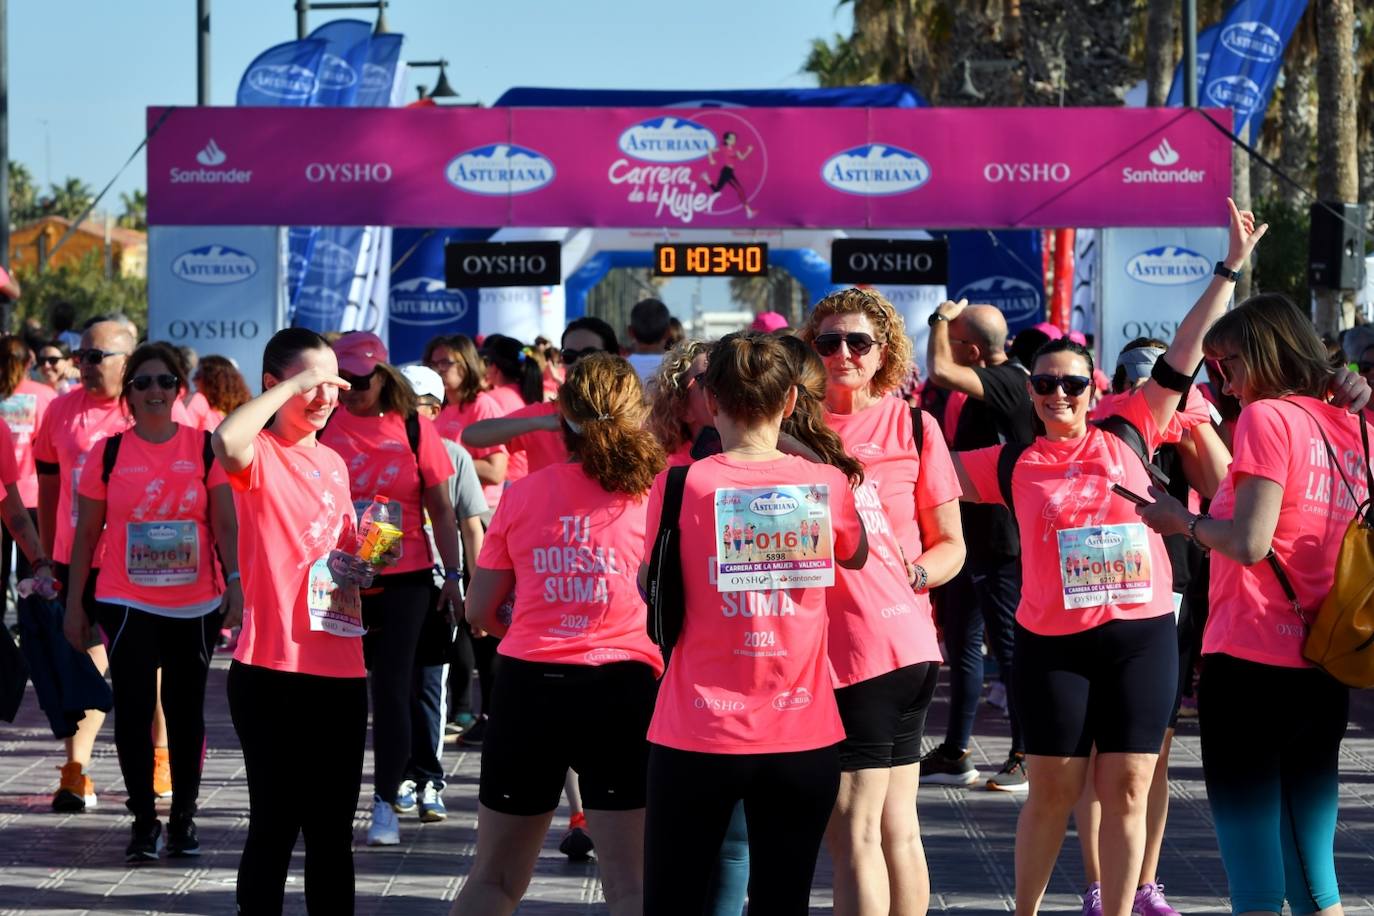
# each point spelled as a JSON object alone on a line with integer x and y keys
{"x": 1078, "y": 337}
{"x": 359, "y": 352}
{"x": 1049, "y": 330}
{"x": 768, "y": 322}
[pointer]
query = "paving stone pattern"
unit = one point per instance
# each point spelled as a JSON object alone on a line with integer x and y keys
{"x": 74, "y": 864}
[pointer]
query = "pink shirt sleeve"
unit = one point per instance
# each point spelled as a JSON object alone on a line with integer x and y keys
{"x": 937, "y": 483}
{"x": 981, "y": 467}
{"x": 1263, "y": 443}
{"x": 495, "y": 553}
{"x": 43, "y": 447}
{"x": 1135, "y": 408}
{"x": 844, "y": 516}
{"x": 9, "y": 461}
{"x": 218, "y": 476}
{"x": 92, "y": 485}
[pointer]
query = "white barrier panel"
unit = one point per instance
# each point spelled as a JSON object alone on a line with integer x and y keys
{"x": 218, "y": 289}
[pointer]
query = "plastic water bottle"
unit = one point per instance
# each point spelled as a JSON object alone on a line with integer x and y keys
{"x": 42, "y": 586}
{"x": 378, "y": 529}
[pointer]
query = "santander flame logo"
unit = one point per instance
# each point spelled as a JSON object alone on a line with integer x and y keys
{"x": 212, "y": 155}
{"x": 1164, "y": 154}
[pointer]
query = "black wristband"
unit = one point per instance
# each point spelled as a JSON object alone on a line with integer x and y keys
{"x": 1221, "y": 270}
{"x": 1166, "y": 376}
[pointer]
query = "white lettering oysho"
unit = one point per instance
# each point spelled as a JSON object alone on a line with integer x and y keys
{"x": 502, "y": 264}
{"x": 905, "y": 261}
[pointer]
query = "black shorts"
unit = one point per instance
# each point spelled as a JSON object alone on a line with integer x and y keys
{"x": 1112, "y": 686}
{"x": 548, "y": 718}
{"x": 885, "y": 717}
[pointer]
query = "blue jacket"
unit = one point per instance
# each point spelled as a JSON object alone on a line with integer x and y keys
{"x": 66, "y": 681}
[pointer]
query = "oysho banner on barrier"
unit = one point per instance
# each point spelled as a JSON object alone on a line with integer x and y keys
{"x": 623, "y": 167}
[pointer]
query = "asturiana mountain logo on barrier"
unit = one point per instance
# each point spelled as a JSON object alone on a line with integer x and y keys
{"x": 1168, "y": 265}
{"x": 1238, "y": 92}
{"x": 1254, "y": 40}
{"x": 1164, "y": 158}
{"x": 320, "y": 302}
{"x": 424, "y": 302}
{"x": 1017, "y": 299}
{"x": 667, "y": 139}
{"x": 289, "y": 82}
{"x": 499, "y": 169}
{"x": 876, "y": 170}
{"x": 214, "y": 265}
{"x": 336, "y": 73}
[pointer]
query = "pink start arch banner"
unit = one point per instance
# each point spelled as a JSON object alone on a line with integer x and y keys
{"x": 930, "y": 168}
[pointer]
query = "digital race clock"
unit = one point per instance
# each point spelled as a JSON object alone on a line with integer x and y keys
{"x": 711, "y": 259}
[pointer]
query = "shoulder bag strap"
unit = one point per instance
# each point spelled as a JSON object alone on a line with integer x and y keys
{"x": 918, "y": 430}
{"x": 207, "y": 456}
{"x": 109, "y": 457}
{"x": 1134, "y": 439}
{"x": 1006, "y": 465}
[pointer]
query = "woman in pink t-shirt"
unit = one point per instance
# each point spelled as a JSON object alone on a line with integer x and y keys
{"x": 22, "y": 405}
{"x": 297, "y": 686}
{"x": 747, "y": 708}
{"x": 569, "y": 540}
{"x": 155, "y": 505}
{"x": 1300, "y": 474}
{"x": 1096, "y": 657}
{"x": 515, "y": 377}
{"x": 393, "y": 452}
{"x": 677, "y": 403}
{"x": 882, "y": 628}
{"x": 466, "y": 401}
{"x": 219, "y": 382}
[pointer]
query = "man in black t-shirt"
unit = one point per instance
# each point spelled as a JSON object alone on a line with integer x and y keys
{"x": 967, "y": 355}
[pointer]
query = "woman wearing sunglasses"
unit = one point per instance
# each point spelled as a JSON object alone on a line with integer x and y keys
{"x": 157, "y": 507}
{"x": 886, "y": 664}
{"x": 53, "y": 367}
{"x": 393, "y": 452}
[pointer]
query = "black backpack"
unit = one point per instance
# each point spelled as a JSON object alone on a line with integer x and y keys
{"x": 667, "y": 604}
{"x": 111, "y": 455}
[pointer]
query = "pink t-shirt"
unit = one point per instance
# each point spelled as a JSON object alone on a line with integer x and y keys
{"x": 381, "y": 463}
{"x": 683, "y": 455}
{"x": 1250, "y": 617}
{"x": 454, "y": 419}
{"x": 542, "y": 448}
{"x": 157, "y": 545}
{"x": 202, "y": 415}
{"x": 9, "y": 467}
{"x": 877, "y": 623}
{"x": 749, "y": 674}
{"x": 1062, "y": 486}
{"x": 575, "y": 550}
{"x": 508, "y": 400}
{"x": 293, "y": 508}
{"x": 23, "y": 413}
{"x": 1195, "y": 412}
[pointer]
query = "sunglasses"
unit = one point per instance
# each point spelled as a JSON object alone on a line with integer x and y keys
{"x": 1072, "y": 385}
{"x": 1223, "y": 369}
{"x": 442, "y": 365}
{"x": 572, "y": 356}
{"x": 829, "y": 344}
{"x": 165, "y": 381}
{"x": 50, "y": 360}
{"x": 357, "y": 382}
{"x": 95, "y": 357}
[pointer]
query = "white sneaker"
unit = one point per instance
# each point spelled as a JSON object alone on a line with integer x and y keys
{"x": 385, "y": 829}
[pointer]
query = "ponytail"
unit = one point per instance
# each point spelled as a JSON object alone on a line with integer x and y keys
{"x": 602, "y": 405}
{"x": 518, "y": 364}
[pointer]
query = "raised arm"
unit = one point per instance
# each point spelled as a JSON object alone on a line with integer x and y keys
{"x": 944, "y": 371}
{"x": 233, "y": 439}
{"x": 500, "y": 430}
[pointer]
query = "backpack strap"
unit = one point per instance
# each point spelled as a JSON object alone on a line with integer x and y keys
{"x": 1134, "y": 439}
{"x": 413, "y": 437}
{"x": 1006, "y": 464}
{"x": 207, "y": 456}
{"x": 665, "y": 596}
{"x": 918, "y": 429}
{"x": 109, "y": 456}
{"x": 672, "y": 496}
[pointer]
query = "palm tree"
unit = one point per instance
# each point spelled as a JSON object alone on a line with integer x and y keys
{"x": 23, "y": 193}
{"x": 1337, "y": 171}
{"x": 71, "y": 198}
{"x": 135, "y": 215}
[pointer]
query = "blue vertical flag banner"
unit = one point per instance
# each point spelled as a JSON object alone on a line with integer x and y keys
{"x": 999, "y": 268}
{"x": 379, "y": 71}
{"x": 421, "y": 308}
{"x": 1205, "y": 39}
{"x": 287, "y": 75}
{"x": 346, "y": 51}
{"x": 1246, "y": 59}
{"x": 323, "y": 294}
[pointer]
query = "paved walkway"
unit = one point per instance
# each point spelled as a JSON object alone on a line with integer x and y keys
{"x": 74, "y": 864}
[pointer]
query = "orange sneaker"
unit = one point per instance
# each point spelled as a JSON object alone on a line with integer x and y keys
{"x": 162, "y": 773}
{"x": 76, "y": 792}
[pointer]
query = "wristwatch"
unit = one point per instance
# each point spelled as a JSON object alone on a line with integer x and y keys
{"x": 452, "y": 575}
{"x": 935, "y": 318}
{"x": 1221, "y": 270}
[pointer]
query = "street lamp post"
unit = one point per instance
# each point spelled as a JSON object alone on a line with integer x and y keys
{"x": 442, "y": 88}
{"x": 303, "y": 8}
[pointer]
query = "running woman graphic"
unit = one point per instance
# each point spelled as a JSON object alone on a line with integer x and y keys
{"x": 730, "y": 156}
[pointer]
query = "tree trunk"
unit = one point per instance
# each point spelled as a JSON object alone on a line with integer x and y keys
{"x": 1159, "y": 52}
{"x": 1337, "y": 170}
{"x": 1240, "y": 193}
{"x": 1296, "y": 117}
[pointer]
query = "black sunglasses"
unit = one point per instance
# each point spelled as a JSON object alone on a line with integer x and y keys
{"x": 1072, "y": 385}
{"x": 357, "y": 382}
{"x": 829, "y": 344}
{"x": 95, "y": 357}
{"x": 50, "y": 360}
{"x": 572, "y": 356}
{"x": 166, "y": 381}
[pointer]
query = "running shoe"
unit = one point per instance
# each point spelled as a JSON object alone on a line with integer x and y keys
{"x": 1092, "y": 900}
{"x": 946, "y": 766}
{"x": 405, "y": 797}
{"x": 182, "y": 841}
{"x": 76, "y": 792}
{"x": 1149, "y": 901}
{"x": 146, "y": 843}
{"x": 432, "y": 808}
{"x": 162, "y": 773}
{"x": 1012, "y": 777}
{"x": 474, "y": 735}
{"x": 1187, "y": 708}
{"x": 576, "y": 845}
{"x": 385, "y": 829}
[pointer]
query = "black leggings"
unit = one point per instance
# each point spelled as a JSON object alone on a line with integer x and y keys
{"x": 394, "y": 616}
{"x": 140, "y": 643}
{"x": 787, "y": 803}
{"x": 285, "y": 722}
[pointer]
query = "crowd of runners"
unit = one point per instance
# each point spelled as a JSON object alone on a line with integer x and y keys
{"x": 705, "y": 592}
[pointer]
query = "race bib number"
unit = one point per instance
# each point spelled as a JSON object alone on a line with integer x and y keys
{"x": 19, "y": 411}
{"x": 1105, "y": 564}
{"x": 333, "y": 608}
{"x": 771, "y": 538}
{"x": 360, "y": 506}
{"x": 163, "y": 553}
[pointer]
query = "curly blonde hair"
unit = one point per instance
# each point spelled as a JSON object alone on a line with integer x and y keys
{"x": 668, "y": 394}
{"x": 602, "y": 404}
{"x": 888, "y": 327}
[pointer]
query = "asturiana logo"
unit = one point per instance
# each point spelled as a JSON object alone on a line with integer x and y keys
{"x": 1254, "y": 40}
{"x": 773, "y": 503}
{"x": 290, "y": 82}
{"x": 424, "y": 302}
{"x": 1102, "y": 540}
{"x": 499, "y": 169}
{"x": 214, "y": 265}
{"x": 336, "y": 73}
{"x": 161, "y": 533}
{"x": 667, "y": 139}
{"x": 1168, "y": 265}
{"x": 320, "y": 302}
{"x": 211, "y": 155}
{"x": 332, "y": 259}
{"x": 1238, "y": 92}
{"x": 376, "y": 78}
{"x": 799, "y": 698}
{"x": 1017, "y": 299}
{"x": 875, "y": 170}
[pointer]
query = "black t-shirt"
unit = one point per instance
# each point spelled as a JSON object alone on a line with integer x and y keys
{"x": 1004, "y": 415}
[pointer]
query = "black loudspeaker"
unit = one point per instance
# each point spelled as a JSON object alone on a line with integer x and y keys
{"x": 1335, "y": 248}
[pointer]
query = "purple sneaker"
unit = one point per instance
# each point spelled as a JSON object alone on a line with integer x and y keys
{"x": 1149, "y": 901}
{"x": 1092, "y": 900}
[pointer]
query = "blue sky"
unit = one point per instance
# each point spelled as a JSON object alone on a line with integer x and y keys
{"x": 81, "y": 72}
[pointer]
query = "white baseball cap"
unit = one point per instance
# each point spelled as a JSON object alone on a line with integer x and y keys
{"x": 424, "y": 381}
